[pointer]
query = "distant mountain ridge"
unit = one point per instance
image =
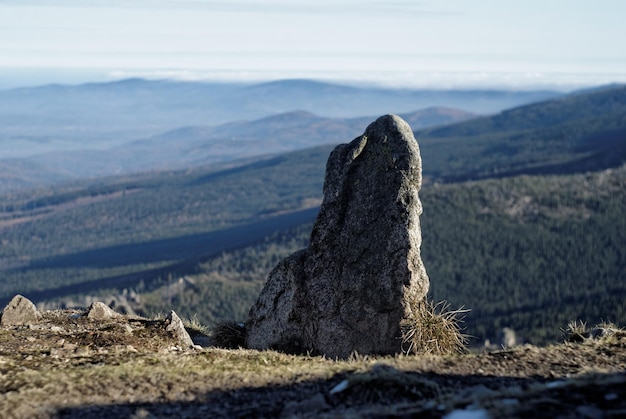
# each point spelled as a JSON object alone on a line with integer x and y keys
{"x": 572, "y": 134}
{"x": 600, "y": 102}
{"x": 584, "y": 128}
{"x": 194, "y": 145}
{"x": 101, "y": 115}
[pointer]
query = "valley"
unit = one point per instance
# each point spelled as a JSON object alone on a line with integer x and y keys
{"x": 522, "y": 222}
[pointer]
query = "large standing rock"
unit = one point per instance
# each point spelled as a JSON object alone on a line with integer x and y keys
{"x": 362, "y": 273}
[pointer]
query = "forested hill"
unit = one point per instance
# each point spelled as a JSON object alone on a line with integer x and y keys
{"x": 580, "y": 132}
{"x": 541, "y": 249}
{"x": 607, "y": 102}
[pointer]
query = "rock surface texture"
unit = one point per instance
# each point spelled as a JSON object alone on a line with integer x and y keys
{"x": 362, "y": 274}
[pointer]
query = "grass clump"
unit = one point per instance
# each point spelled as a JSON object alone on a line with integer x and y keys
{"x": 434, "y": 329}
{"x": 194, "y": 326}
{"x": 229, "y": 334}
{"x": 577, "y": 331}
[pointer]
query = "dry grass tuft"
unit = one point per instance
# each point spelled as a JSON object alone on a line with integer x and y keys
{"x": 434, "y": 329}
{"x": 194, "y": 327}
{"x": 229, "y": 334}
{"x": 577, "y": 332}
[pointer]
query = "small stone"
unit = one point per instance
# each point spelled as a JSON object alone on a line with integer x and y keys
{"x": 100, "y": 311}
{"x": 176, "y": 327}
{"x": 340, "y": 387}
{"x": 600, "y": 332}
{"x": 19, "y": 311}
{"x": 508, "y": 338}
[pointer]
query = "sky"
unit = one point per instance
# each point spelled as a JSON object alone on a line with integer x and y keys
{"x": 522, "y": 44}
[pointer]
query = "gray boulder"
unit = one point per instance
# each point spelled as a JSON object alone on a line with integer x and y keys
{"x": 19, "y": 311}
{"x": 362, "y": 274}
{"x": 100, "y": 311}
{"x": 175, "y": 326}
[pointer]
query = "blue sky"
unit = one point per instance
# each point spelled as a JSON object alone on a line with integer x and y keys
{"x": 446, "y": 43}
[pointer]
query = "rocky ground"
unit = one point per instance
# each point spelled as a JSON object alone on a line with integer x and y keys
{"x": 80, "y": 363}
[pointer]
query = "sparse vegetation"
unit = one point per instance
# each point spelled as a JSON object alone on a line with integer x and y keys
{"x": 577, "y": 331}
{"x": 194, "y": 327}
{"x": 71, "y": 367}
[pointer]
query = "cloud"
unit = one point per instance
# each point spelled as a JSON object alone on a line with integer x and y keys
{"x": 355, "y": 7}
{"x": 517, "y": 80}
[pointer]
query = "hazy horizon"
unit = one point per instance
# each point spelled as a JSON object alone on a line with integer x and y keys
{"x": 34, "y": 77}
{"x": 401, "y": 43}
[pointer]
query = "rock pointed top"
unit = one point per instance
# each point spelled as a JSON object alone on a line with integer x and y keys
{"x": 394, "y": 135}
{"x": 391, "y": 124}
{"x": 100, "y": 311}
{"x": 176, "y": 327}
{"x": 19, "y": 311}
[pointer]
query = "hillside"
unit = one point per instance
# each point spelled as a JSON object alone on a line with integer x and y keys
{"x": 101, "y": 115}
{"x": 70, "y": 366}
{"x": 577, "y": 132}
{"x": 566, "y": 135}
{"x": 193, "y": 146}
{"x": 575, "y": 129}
{"x": 524, "y": 253}
{"x": 59, "y": 133}
{"x": 519, "y": 252}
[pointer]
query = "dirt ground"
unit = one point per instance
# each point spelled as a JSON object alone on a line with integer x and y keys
{"x": 68, "y": 366}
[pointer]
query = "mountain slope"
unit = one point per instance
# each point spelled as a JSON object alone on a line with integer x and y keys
{"x": 196, "y": 145}
{"x": 566, "y": 135}
{"x": 523, "y": 251}
{"x": 96, "y": 116}
{"x": 527, "y": 253}
{"x": 580, "y": 106}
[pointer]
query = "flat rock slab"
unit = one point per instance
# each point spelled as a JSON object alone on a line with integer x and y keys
{"x": 362, "y": 274}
